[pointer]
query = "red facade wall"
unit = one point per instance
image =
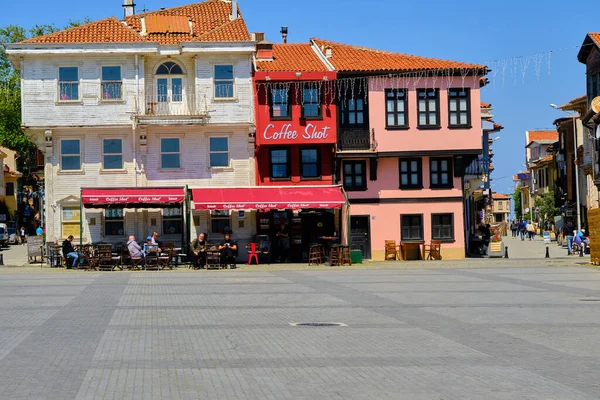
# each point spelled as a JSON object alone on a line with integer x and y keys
{"x": 295, "y": 133}
{"x": 262, "y": 170}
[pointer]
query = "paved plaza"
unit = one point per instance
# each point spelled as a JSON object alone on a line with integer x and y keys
{"x": 487, "y": 332}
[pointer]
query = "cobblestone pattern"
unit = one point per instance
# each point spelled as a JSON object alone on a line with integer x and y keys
{"x": 486, "y": 333}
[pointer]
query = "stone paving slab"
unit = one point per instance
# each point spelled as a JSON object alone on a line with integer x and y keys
{"x": 493, "y": 331}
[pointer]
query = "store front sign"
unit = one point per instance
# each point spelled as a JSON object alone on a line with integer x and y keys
{"x": 291, "y": 134}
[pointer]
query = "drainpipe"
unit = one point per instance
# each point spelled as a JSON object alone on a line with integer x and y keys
{"x": 133, "y": 130}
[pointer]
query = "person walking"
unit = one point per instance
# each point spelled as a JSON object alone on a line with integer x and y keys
{"x": 521, "y": 229}
{"x": 513, "y": 228}
{"x": 569, "y": 230}
{"x": 23, "y": 235}
{"x": 530, "y": 229}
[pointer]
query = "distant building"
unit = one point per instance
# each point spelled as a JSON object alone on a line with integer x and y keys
{"x": 501, "y": 208}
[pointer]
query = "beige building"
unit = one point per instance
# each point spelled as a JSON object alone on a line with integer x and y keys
{"x": 501, "y": 208}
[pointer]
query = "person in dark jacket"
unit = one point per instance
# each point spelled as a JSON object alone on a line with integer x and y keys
{"x": 228, "y": 249}
{"x": 69, "y": 251}
{"x": 198, "y": 248}
{"x": 569, "y": 230}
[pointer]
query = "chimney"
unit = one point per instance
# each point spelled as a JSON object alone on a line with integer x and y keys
{"x": 234, "y": 9}
{"x": 258, "y": 36}
{"x": 284, "y": 33}
{"x": 264, "y": 48}
{"x": 129, "y": 8}
{"x": 328, "y": 52}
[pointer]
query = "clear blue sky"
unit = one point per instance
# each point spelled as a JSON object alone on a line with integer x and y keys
{"x": 465, "y": 31}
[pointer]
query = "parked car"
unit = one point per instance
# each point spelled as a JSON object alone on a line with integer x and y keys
{"x": 3, "y": 235}
{"x": 13, "y": 238}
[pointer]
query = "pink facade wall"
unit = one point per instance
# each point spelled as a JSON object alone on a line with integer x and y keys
{"x": 388, "y": 181}
{"x": 385, "y": 222}
{"x": 414, "y": 139}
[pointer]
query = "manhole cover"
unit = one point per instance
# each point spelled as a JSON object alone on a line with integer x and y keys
{"x": 317, "y": 324}
{"x": 590, "y": 299}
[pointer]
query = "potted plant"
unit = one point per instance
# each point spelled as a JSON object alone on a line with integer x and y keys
{"x": 496, "y": 247}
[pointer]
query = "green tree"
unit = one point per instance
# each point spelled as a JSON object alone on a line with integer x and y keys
{"x": 73, "y": 24}
{"x": 518, "y": 204}
{"x": 548, "y": 208}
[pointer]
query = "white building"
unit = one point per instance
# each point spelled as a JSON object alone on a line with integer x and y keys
{"x": 156, "y": 100}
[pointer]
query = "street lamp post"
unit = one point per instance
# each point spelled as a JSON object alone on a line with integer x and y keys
{"x": 574, "y": 115}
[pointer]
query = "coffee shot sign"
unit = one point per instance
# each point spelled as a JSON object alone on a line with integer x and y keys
{"x": 289, "y": 134}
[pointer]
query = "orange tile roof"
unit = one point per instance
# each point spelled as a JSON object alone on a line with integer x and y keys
{"x": 499, "y": 196}
{"x": 485, "y": 105}
{"x": 595, "y": 36}
{"x": 109, "y": 30}
{"x": 356, "y": 58}
{"x": 542, "y": 135}
{"x": 210, "y": 22}
{"x": 293, "y": 57}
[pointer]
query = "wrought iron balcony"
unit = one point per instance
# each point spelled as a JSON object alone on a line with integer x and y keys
{"x": 171, "y": 100}
{"x": 352, "y": 139}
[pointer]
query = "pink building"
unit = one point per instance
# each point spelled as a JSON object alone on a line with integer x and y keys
{"x": 408, "y": 127}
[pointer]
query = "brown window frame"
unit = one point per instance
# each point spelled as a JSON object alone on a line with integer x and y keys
{"x": 439, "y": 172}
{"x": 409, "y": 172}
{"x": 363, "y": 173}
{"x": 427, "y": 110}
{"x": 402, "y": 228}
{"x": 394, "y": 112}
{"x": 458, "y": 111}
{"x": 440, "y": 226}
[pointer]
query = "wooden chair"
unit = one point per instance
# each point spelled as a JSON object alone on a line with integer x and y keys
{"x": 392, "y": 250}
{"x": 316, "y": 255}
{"x": 334, "y": 256}
{"x": 165, "y": 258}
{"x": 344, "y": 255}
{"x": 433, "y": 251}
{"x": 151, "y": 263}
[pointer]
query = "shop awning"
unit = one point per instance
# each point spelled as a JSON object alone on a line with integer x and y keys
{"x": 265, "y": 197}
{"x": 132, "y": 197}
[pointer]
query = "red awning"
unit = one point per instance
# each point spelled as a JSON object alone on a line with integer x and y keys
{"x": 128, "y": 197}
{"x": 263, "y": 197}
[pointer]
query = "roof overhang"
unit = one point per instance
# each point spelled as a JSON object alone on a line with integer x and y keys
{"x": 293, "y": 76}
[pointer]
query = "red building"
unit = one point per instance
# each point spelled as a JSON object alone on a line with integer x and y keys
{"x": 295, "y": 116}
{"x": 296, "y": 135}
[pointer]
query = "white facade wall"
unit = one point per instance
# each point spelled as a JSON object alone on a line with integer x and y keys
{"x": 91, "y": 120}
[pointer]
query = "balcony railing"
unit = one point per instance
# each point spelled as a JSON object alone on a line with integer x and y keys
{"x": 172, "y": 100}
{"x": 477, "y": 168}
{"x": 352, "y": 139}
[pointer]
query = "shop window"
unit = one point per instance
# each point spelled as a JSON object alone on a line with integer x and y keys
{"x": 411, "y": 176}
{"x": 112, "y": 155}
{"x": 68, "y": 83}
{"x": 459, "y": 110}
{"x": 279, "y": 163}
{"x": 219, "y": 152}
{"x": 170, "y": 153}
{"x": 280, "y": 103}
{"x": 442, "y": 227}
{"x": 441, "y": 172}
{"x": 10, "y": 188}
{"x": 70, "y": 155}
{"x": 172, "y": 221}
{"x": 309, "y": 163}
{"x": 224, "y": 82}
{"x": 220, "y": 221}
{"x": 411, "y": 227}
{"x": 396, "y": 108}
{"x": 311, "y": 103}
{"x": 428, "y": 108}
{"x": 114, "y": 222}
{"x": 355, "y": 175}
{"x": 70, "y": 221}
{"x": 111, "y": 83}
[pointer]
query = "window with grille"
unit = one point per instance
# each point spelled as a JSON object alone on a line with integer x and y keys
{"x": 459, "y": 112}
{"x": 441, "y": 172}
{"x": 428, "y": 108}
{"x": 411, "y": 227}
{"x": 411, "y": 173}
{"x": 396, "y": 108}
{"x": 442, "y": 226}
{"x": 355, "y": 175}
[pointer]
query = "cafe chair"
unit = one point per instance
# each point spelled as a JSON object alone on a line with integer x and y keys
{"x": 316, "y": 254}
{"x": 252, "y": 253}
{"x": 391, "y": 250}
{"x": 433, "y": 251}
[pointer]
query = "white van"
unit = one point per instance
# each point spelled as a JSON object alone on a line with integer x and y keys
{"x": 3, "y": 235}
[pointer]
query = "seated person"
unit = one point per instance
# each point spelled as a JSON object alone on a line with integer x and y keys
{"x": 151, "y": 248}
{"x": 135, "y": 250}
{"x": 69, "y": 251}
{"x": 228, "y": 249}
{"x": 198, "y": 248}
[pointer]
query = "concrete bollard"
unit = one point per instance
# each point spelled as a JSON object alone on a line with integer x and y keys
{"x": 506, "y": 252}
{"x": 1, "y": 259}
{"x": 547, "y": 252}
